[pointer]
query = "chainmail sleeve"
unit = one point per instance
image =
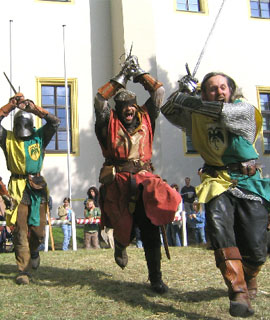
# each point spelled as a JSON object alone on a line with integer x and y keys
{"x": 239, "y": 118}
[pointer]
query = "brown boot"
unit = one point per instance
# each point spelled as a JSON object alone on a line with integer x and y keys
{"x": 23, "y": 278}
{"x": 251, "y": 273}
{"x": 120, "y": 254}
{"x": 229, "y": 262}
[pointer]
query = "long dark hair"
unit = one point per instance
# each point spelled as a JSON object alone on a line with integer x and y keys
{"x": 96, "y": 197}
{"x": 175, "y": 186}
{"x": 66, "y": 199}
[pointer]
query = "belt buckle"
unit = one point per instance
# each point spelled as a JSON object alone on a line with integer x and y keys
{"x": 136, "y": 162}
{"x": 248, "y": 168}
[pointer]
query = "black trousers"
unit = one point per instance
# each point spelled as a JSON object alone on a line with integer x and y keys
{"x": 150, "y": 234}
{"x": 242, "y": 223}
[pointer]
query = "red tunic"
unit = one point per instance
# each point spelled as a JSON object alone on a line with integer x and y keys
{"x": 160, "y": 200}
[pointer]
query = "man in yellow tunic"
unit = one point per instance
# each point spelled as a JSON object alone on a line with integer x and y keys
{"x": 224, "y": 128}
{"x": 24, "y": 152}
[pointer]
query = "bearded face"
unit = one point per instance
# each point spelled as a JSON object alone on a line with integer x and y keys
{"x": 128, "y": 114}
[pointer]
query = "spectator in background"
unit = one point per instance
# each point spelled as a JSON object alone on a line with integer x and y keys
{"x": 188, "y": 194}
{"x": 173, "y": 229}
{"x": 92, "y": 193}
{"x": 138, "y": 238}
{"x": 65, "y": 213}
{"x": 91, "y": 230}
{"x": 50, "y": 205}
{"x": 197, "y": 222}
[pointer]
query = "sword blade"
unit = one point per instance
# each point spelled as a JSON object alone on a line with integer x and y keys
{"x": 206, "y": 42}
{"x": 11, "y": 85}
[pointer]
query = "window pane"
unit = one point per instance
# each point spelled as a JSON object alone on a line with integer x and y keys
{"x": 190, "y": 148}
{"x": 266, "y": 122}
{"x": 47, "y": 90}
{"x": 181, "y": 5}
{"x": 255, "y": 11}
{"x": 62, "y": 140}
{"x": 61, "y": 101}
{"x": 62, "y": 135}
{"x": 265, "y": 101}
{"x": 47, "y": 100}
{"x": 61, "y": 91}
{"x": 61, "y": 113}
{"x": 51, "y": 145}
{"x": 265, "y": 14}
{"x": 47, "y": 95}
{"x": 266, "y": 140}
{"x": 51, "y": 110}
{"x": 61, "y": 96}
{"x": 194, "y": 5}
{"x": 62, "y": 145}
{"x": 194, "y": 8}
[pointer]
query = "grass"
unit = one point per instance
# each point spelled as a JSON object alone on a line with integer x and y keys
{"x": 87, "y": 284}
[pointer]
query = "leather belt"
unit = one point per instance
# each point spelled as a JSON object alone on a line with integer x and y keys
{"x": 131, "y": 166}
{"x": 24, "y": 176}
{"x": 248, "y": 168}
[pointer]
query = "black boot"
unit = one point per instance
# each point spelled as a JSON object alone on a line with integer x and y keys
{"x": 35, "y": 259}
{"x": 120, "y": 254}
{"x": 153, "y": 257}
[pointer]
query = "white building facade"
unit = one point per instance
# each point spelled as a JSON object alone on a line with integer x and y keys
{"x": 93, "y": 34}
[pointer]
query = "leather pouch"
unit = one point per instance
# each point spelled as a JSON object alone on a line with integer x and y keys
{"x": 37, "y": 182}
{"x": 107, "y": 174}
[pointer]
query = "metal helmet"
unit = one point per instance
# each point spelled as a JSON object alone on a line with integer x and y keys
{"x": 124, "y": 98}
{"x": 23, "y": 124}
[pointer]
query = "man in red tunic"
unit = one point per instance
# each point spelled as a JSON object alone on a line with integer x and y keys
{"x": 130, "y": 193}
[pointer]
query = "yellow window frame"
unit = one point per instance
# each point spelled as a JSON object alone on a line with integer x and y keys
{"x": 203, "y": 6}
{"x": 262, "y": 89}
{"x": 73, "y": 83}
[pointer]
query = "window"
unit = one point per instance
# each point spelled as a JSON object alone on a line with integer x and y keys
{"x": 189, "y": 145}
{"x": 52, "y": 97}
{"x": 264, "y": 97}
{"x": 188, "y": 5}
{"x": 58, "y": 0}
{"x": 260, "y": 8}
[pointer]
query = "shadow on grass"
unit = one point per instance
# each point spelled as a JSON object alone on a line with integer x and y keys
{"x": 132, "y": 293}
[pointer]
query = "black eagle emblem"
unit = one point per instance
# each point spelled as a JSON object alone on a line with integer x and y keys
{"x": 215, "y": 135}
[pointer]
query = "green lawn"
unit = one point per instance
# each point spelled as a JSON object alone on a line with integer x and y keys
{"x": 87, "y": 284}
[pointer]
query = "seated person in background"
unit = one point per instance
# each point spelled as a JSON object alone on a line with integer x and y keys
{"x": 91, "y": 230}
